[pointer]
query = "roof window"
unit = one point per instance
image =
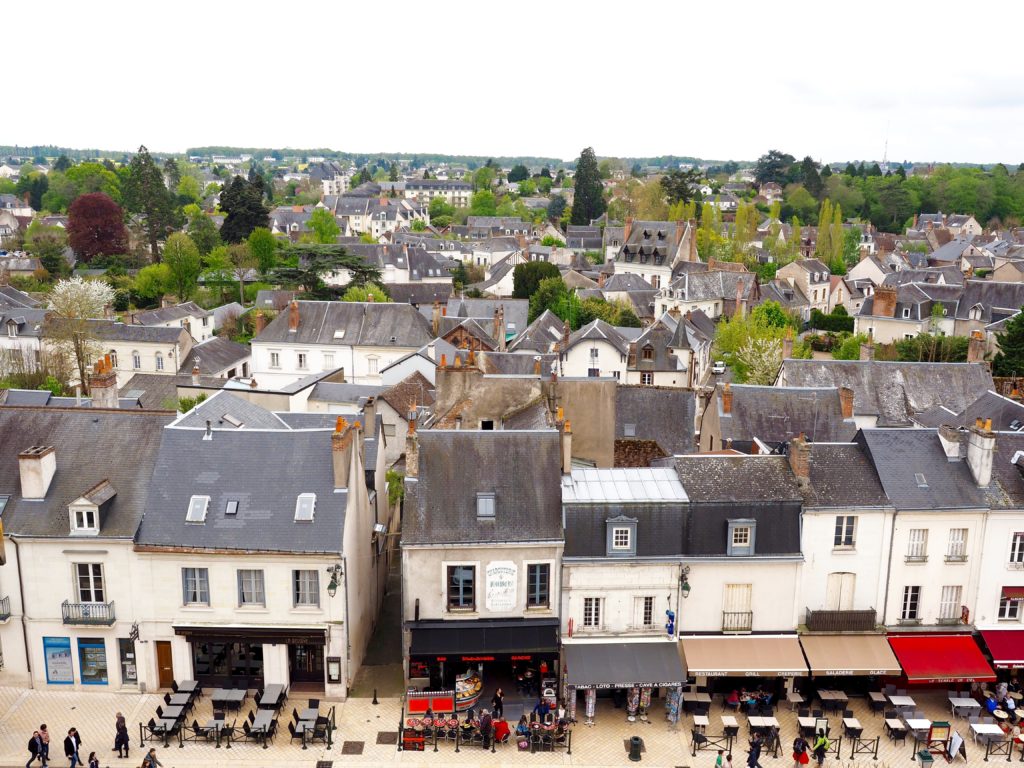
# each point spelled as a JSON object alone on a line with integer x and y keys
{"x": 485, "y": 506}
{"x": 197, "y": 507}
{"x": 305, "y": 505}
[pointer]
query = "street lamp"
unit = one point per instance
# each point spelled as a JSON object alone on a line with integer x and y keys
{"x": 335, "y": 573}
{"x": 684, "y": 585}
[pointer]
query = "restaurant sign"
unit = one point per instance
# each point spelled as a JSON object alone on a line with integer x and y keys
{"x": 748, "y": 673}
{"x": 849, "y": 672}
{"x": 609, "y": 686}
{"x": 500, "y": 585}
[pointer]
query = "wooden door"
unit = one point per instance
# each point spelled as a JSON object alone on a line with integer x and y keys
{"x": 839, "y": 591}
{"x": 165, "y": 669}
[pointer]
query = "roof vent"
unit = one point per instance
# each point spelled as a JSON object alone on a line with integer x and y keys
{"x": 921, "y": 482}
{"x": 1016, "y": 425}
{"x": 339, "y": 334}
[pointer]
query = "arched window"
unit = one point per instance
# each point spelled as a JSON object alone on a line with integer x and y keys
{"x": 113, "y": 358}
{"x": 159, "y": 361}
{"x": 136, "y": 359}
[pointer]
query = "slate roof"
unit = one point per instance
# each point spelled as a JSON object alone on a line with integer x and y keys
{"x": 226, "y": 411}
{"x": 705, "y": 286}
{"x": 43, "y": 397}
{"x": 900, "y": 455}
{"x": 522, "y": 470}
{"x": 264, "y": 471}
{"x": 601, "y": 331}
{"x": 625, "y": 281}
{"x": 950, "y": 252}
{"x": 997, "y": 300}
{"x": 110, "y": 329}
{"x": 540, "y": 335}
{"x": 842, "y": 475}
{"x": 732, "y": 479}
{"x": 170, "y": 314}
{"x": 778, "y": 414}
{"x": 990, "y": 405}
{"x": 29, "y": 322}
{"x": 893, "y": 391}
{"x": 949, "y": 275}
{"x": 215, "y": 354}
{"x": 364, "y": 324}
{"x": 412, "y": 391}
{"x": 516, "y": 364}
{"x": 155, "y": 390}
{"x": 76, "y": 433}
{"x": 516, "y": 311}
{"x": 12, "y": 297}
{"x": 419, "y": 293}
{"x": 274, "y": 299}
{"x": 1007, "y": 489}
{"x": 334, "y": 392}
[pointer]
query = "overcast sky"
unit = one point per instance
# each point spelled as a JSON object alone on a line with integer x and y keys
{"x": 717, "y": 80}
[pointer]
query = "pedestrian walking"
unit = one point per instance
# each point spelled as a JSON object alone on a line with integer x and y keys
{"x": 73, "y": 743}
{"x": 35, "y": 749}
{"x": 150, "y": 761}
{"x": 728, "y": 760}
{"x": 720, "y": 760}
{"x": 45, "y": 736}
{"x": 800, "y": 752}
{"x": 754, "y": 755}
{"x": 94, "y": 761}
{"x": 821, "y": 746}
{"x": 121, "y": 739}
{"x": 498, "y": 703}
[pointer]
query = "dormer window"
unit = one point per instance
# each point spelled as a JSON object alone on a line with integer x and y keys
{"x": 648, "y": 353}
{"x": 85, "y": 520}
{"x": 305, "y": 506}
{"x": 485, "y": 506}
{"x": 621, "y": 536}
{"x": 12, "y": 328}
{"x": 741, "y": 537}
{"x": 197, "y": 507}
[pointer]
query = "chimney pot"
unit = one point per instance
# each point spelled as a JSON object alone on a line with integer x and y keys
{"x": 846, "y": 402}
{"x": 566, "y": 444}
{"x": 195, "y": 373}
{"x": 727, "y": 399}
{"x": 103, "y": 384}
{"x": 293, "y": 316}
{"x": 261, "y": 321}
{"x": 370, "y": 417}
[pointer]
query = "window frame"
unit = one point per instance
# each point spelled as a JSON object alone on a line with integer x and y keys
{"x": 305, "y": 584}
{"x": 486, "y": 506}
{"x": 593, "y": 610}
{"x": 538, "y": 585}
{"x": 950, "y": 600}
{"x": 257, "y": 586}
{"x": 1008, "y": 606}
{"x": 737, "y": 549}
{"x": 1017, "y": 548}
{"x": 910, "y": 607}
{"x": 456, "y": 599}
{"x": 91, "y": 512}
{"x": 845, "y": 534}
{"x": 617, "y": 527}
{"x": 96, "y": 587}
{"x": 917, "y": 546}
{"x": 275, "y": 359}
{"x": 956, "y": 545}
{"x": 200, "y": 578}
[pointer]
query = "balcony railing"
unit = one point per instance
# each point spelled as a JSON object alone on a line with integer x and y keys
{"x": 737, "y": 621}
{"x": 5, "y": 608}
{"x": 841, "y": 621}
{"x": 88, "y": 613}
{"x": 948, "y": 620}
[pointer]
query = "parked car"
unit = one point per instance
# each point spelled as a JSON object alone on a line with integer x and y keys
{"x": 718, "y": 368}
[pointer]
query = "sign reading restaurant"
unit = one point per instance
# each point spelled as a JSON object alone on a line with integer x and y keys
{"x": 500, "y": 586}
{"x": 752, "y": 673}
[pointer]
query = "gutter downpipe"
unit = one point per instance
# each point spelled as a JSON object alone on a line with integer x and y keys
{"x": 24, "y": 625}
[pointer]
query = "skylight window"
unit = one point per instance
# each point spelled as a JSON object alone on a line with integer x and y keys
{"x": 232, "y": 507}
{"x": 339, "y": 334}
{"x": 921, "y": 481}
{"x": 233, "y": 421}
{"x": 197, "y": 507}
{"x": 305, "y": 505}
{"x": 485, "y": 505}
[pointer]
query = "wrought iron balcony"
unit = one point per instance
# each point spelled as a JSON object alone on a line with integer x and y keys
{"x": 5, "y": 608}
{"x": 841, "y": 621}
{"x": 88, "y": 613}
{"x": 737, "y": 621}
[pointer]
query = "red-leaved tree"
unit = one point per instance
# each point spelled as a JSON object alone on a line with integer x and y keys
{"x": 96, "y": 226}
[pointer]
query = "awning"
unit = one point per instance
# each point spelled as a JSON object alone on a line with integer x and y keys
{"x": 744, "y": 656}
{"x": 624, "y": 665}
{"x": 1006, "y": 646}
{"x": 941, "y": 658}
{"x": 265, "y": 635}
{"x": 1013, "y": 593}
{"x": 841, "y": 655}
{"x": 484, "y": 637}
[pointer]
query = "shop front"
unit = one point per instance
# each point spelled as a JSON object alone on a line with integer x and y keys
{"x": 473, "y": 657}
{"x": 851, "y": 663}
{"x": 729, "y": 662}
{"x": 941, "y": 659}
{"x": 1005, "y": 646}
{"x": 254, "y": 656}
{"x": 89, "y": 660}
{"x": 635, "y": 670}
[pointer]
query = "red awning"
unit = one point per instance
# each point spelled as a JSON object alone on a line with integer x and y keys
{"x": 1006, "y": 646}
{"x": 1013, "y": 593}
{"x": 941, "y": 658}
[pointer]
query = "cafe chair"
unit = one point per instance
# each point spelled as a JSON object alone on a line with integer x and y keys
{"x": 174, "y": 686}
{"x": 293, "y": 733}
{"x": 218, "y": 714}
{"x": 847, "y": 713}
{"x": 272, "y": 731}
{"x": 803, "y": 713}
{"x": 160, "y": 712}
{"x": 251, "y": 718}
{"x": 817, "y": 713}
{"x": 295, "y": 714}
{"x": 314, "y": 703}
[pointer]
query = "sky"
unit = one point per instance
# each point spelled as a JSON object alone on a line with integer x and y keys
{"x": 935, "y": 81}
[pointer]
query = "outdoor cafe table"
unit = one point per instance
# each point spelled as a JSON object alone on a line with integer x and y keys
{"x": 957, "y": 702}
{"x": 188, "y": 686}
{"x": 987, "y": 729}
{"x": 700, "y": 698}
{"x": 728, "y": 721}
{"x": 700, "y": 721}
{"x": 877, "y": 696}
{"x": 832, "y": 696}
{"x": 261, "y": 723}
{"x": 902, "y": 701}
{"x": 852, "y": 723}
{"x": 309, "y": 713}
{"x": 763, "y": 722}
{"x": 164, "y": 726}
{"x": 216, "y": 726}
{"x": 180, "y": 699}
{"x": 173, "y": 713}
{"x": 807, "y": 722}
{"x": 271, "y": 694}
{"x": 227, "y": 696}
{"x": 918, "y": 724}
{"x": 894, "y": 725}
{"x": 794, "y": 699}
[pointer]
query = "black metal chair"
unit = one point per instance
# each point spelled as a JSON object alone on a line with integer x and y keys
{"x": 847, "y": 713}
{"x": 314, "y": 703}
{"x": 803, "y": 713}
{"x": 293, "y": 733}
{"x": 174, "y": 686}
{"x": 251, "y": 718}
{"x": 817, "y": 713}
{"x": 160, "y": 712}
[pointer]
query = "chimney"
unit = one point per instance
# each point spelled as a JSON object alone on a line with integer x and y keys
{"x": 444, "y": 361}
{"x": 627, "y": 229}
{"x": 103, "y": 384}
{"x": 800, "y": 460}
{"x": 846, "y": 402}
{"x": 566, "y": 448}
{"x": 787, "y": 344}
{"x": 435, "y": 319}
{"x": 602, "y": 276}
{"x": 261, "y": 321}
{"x": 675, "y": 313}
{"x": 412, "y": 447}
{"x": 727, "y": 398}
{"x": 195, "y": 374}
{"x": 741, "y": 306}
{"x": 951, "y": 439}
{"x": 536, "y": 366}
{"x": 499, "y": 328}
{"x": 370, "y": 418}
{"x": 108, "y": 312}
{"x": 252, "y": 383}
{"x": 369, "y": 297}
{"x": 565, "y": 335}
{"x": 293, "y": 316}
{"x": 867, "y": 350}
{"x": 885, "y": 302}
{"x": 680, "y": 231}
{"x": 38, "y": 465}
{"x": 341, "y": 452}
{"x": 981, "y": 444}
{"x": 383, "y": 201}
{"x": 976, "y": 347}
{"x": 432, "y": 351}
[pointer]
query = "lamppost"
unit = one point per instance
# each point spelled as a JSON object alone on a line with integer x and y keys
{"x": 335, "y": 573}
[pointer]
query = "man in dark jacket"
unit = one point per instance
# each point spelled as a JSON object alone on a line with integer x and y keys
{"x": 35, "y": 748}
{"x": 73, "y": 743}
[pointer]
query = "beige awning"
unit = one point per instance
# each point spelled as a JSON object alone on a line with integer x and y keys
{"x": 744, "y": 656}
{"x": 837, "y": 655}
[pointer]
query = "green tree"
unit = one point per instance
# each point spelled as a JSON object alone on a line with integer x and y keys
{"x": 550, "y": 292}
{"x": 313, "y": 261}
{"x": 526, "y": 277}
{"x": 152, "y": 282}
{"x": 146, "y": 194}
{"x": 773, "y": 166}
{"x": 811, "y": 177}
{"x": 204, "y": 232}
{"x": 519, "y": 173}
{"x": 483, "y": 204}
{"x": 182, "y": 259}
{"x": 681, "y": 186}
{"x": 363, "y": 293}
{"x": 823, "y": 245}
{"x": 849, "y": 347}
{"x": 588, "y": 203}
{"x": 242, "y": 202}
{"x": 483, "y": 178}
{"x": 263, "y": 246}
{"x": 47, "y": 244}
{"x": 556, "y": 207}
{"x": 62, "y": 163}
{"x": 324, "y": 225}
{"x": 1009, "y": 361}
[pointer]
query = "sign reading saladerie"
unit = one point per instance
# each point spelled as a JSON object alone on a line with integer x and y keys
{"x": 500, "y": 585}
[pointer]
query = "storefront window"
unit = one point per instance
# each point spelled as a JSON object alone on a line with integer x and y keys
{"x": 59, "y": 668}
{"x": 224, "y": 662}
{"x": 129, "y": 670}
{"x": 92, "y": 660}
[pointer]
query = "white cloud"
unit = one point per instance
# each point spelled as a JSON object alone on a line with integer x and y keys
{"x": 534, "y": 78}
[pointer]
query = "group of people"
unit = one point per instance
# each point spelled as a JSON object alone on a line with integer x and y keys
{"x": 758, "y": 698}
{"x": 39, "y": 747}
{"x": 1005, "y": 700}
{"x": 802, "y": 751}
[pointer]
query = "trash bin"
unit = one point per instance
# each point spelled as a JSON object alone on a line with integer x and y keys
{"x": 635, "y": 745}
{"x": 925, "y": 758}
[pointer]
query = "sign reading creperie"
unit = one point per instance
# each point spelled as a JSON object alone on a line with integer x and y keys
{"x": 749, "y": 673}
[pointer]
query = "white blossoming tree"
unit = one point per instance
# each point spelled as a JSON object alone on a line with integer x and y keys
{"x": 68, "y": 330}
{"x": 762, "y": 358}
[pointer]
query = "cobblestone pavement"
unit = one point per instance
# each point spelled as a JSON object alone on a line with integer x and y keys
{"x": 360, "y": 723}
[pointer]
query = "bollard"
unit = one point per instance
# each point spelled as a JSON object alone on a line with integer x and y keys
{"x": 635, "y": 743}
{"x": 375, "y": 697}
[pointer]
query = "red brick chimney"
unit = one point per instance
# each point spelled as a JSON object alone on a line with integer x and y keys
{"x": 885, "y": 302}
{"x": 293, "y": 316}
{"x": 976, "y": 347}
{"x": 727, "y": 399}
{"x": 261, "y": 321}
{"x": 627, "y": 229}
{"x": 103, "y": 384}
{"x": 800, "y": 459}
{"x": 846, "y": 402}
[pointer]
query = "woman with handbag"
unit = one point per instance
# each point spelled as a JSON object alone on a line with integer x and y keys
{"x": 800, "y": 756}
